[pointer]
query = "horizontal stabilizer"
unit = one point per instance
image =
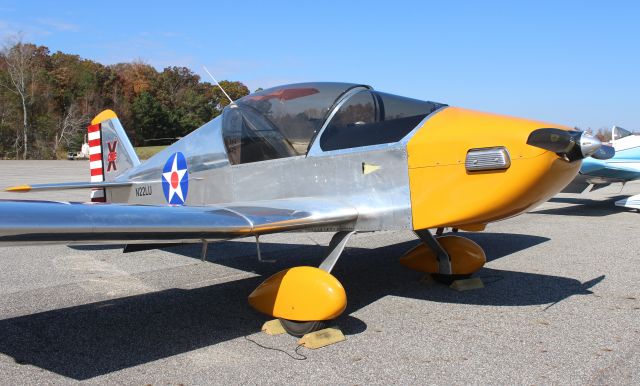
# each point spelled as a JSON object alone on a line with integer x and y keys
{"x": 66, "y": 185}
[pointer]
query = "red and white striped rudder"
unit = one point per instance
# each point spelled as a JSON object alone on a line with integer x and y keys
{"x": 95, "y": 162}
{"x": 110, "y": 152}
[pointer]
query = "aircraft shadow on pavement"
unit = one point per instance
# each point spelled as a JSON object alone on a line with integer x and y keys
{"x": 90, "y": 340}
{"x": 584, "y": 207}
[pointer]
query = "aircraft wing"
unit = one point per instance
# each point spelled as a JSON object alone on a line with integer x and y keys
{"x": 49, "y": 222}
{"x": 596, "y": 174}
{"x": 613, "y": 171}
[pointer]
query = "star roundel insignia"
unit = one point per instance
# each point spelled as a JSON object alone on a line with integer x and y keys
{"x": 175, "y": 179}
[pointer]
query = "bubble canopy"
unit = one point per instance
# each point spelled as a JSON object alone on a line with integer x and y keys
{"x": 283, "y": 121}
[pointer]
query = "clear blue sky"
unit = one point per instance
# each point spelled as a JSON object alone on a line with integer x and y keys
{"x": 570, "y": 62}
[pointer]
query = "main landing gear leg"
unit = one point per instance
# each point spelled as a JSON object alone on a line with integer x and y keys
{"x": 447, "y": 258}
{"x": 334, "y": 250}
{"x": 304, "y": 298}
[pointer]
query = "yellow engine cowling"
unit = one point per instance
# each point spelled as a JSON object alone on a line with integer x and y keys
{"x": 466, "y": 256}
{"x": 445, "y": 194}
{"x": 300, "y": 294}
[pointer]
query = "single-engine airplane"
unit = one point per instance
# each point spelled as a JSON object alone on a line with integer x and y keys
{"x": 622, "y": 167}
{"x": 310, "y": 157}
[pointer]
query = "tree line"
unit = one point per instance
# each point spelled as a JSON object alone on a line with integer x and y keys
{"x": 47, "y": 100}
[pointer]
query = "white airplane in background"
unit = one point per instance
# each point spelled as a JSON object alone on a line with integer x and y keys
{"x": 623, "y": 167}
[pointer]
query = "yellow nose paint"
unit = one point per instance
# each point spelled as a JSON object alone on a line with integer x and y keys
{"x": 445, "y": 194}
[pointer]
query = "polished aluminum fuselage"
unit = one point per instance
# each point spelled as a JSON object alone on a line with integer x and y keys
{"x": 373, "y": 180}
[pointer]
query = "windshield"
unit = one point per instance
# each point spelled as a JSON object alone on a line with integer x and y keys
{"x": 619, "y": 132}
{"x": 612, "y": 134}
{"x": 374, "y": 118}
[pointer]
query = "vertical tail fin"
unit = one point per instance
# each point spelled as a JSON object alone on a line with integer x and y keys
{"x": 110, "y": 151}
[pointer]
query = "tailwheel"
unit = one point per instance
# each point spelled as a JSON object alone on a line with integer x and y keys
{"x": 299, "y": 329}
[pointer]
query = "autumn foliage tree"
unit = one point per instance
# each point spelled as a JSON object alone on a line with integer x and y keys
{"x": 47, "y": 100}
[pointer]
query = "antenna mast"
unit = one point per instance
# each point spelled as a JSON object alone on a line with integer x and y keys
{"x": 216, "y": 82}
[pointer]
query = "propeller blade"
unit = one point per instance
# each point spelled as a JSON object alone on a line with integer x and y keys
{"x": 571, "y": 145}
{"x": 555, "y": 140}
{"x": 605, "y": 152}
